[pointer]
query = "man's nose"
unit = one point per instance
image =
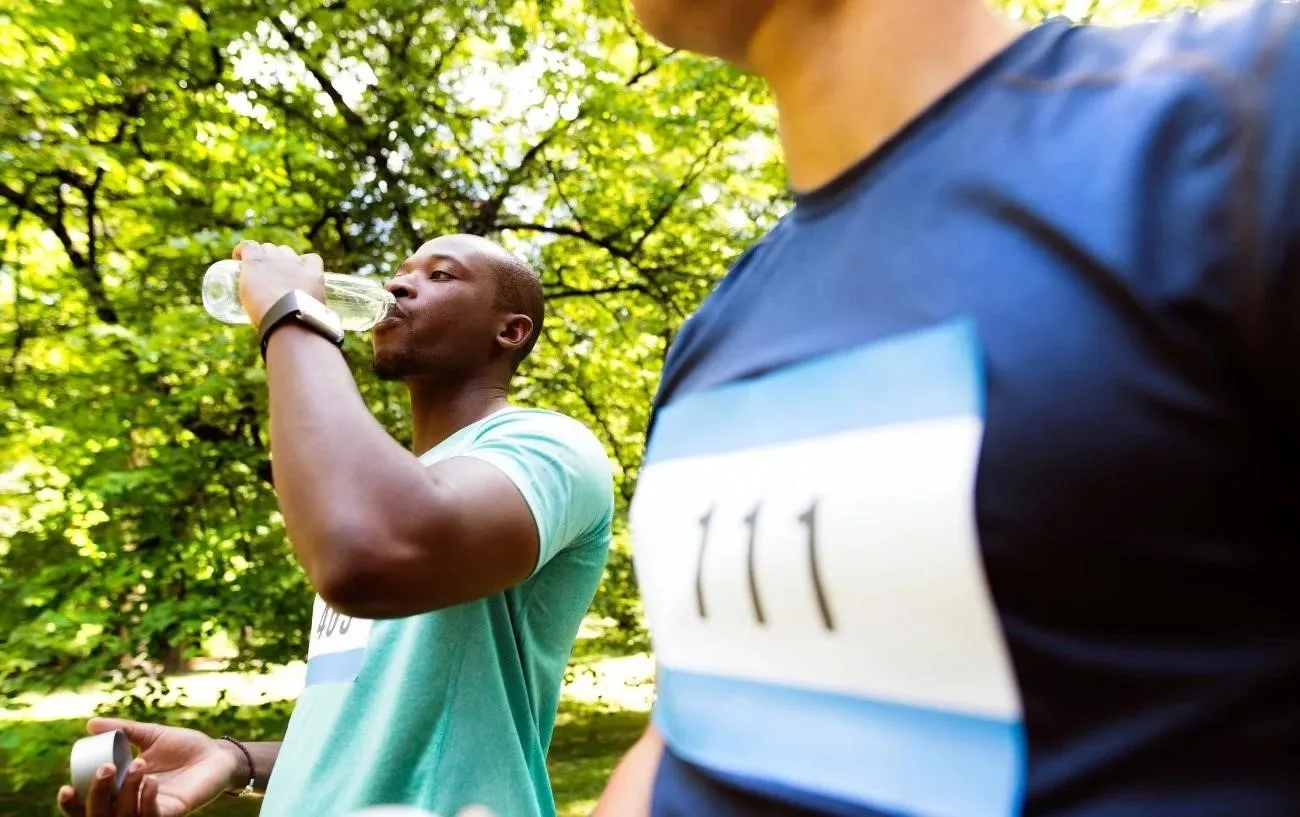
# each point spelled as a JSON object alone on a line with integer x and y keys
{"x": 401, "y": 287}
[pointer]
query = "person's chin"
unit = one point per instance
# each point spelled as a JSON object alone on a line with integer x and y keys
{"x": 385, "y": 367}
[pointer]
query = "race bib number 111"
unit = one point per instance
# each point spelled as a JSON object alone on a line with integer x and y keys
{"x": 806, "y": 547}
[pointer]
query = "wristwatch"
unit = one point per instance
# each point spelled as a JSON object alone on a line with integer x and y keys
{"x": 297, "y": 305}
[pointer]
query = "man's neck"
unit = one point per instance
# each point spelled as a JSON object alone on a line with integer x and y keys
{"x": 439, "y": 410}
{"x": 848, "y": 75}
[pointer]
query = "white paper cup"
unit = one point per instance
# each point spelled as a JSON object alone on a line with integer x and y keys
{"x": 88, "y": 754}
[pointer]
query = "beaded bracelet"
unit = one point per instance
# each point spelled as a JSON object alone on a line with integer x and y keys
{"x": 252, "y": 773}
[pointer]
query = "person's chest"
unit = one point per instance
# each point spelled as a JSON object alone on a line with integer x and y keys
{"x": 1110, "y": 421}
{"x": 871, "y": 452}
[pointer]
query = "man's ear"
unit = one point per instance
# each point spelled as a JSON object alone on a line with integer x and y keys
{"x": 515, "y": 332}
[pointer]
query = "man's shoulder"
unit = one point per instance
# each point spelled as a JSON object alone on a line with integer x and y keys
{"x": 1221, "y": 45}
{"x": 523, "y": 424}
{"x": 1186, "y": 125}
{"x": 556, "y": 453}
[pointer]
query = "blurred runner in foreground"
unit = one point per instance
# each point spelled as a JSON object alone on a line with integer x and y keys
{"x": 974, "y": 488}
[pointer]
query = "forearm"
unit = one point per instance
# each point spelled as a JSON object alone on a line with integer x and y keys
{"x": 630, "y": 787}
{"x": 335, "y": 468}
{"x": 263, "y": 756}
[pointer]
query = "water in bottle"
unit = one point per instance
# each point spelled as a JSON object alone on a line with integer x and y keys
{"x": 359, "y": 303}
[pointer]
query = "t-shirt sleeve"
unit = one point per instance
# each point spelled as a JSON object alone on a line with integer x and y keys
{"x": 1278, "y": 311}
{"x": 561, "y": 470}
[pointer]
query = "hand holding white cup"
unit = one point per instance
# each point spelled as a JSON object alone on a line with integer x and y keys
{"x": 89, "y": 754}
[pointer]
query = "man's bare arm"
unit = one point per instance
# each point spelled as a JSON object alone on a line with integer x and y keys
{"x": 630, "y": 787}
{"x": 380, "y": 534}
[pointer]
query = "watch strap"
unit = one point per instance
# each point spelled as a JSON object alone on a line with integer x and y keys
{"x": 287, "y": 308}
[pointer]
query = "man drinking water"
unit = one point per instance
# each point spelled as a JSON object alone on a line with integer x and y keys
{"x": 452, "y": 578}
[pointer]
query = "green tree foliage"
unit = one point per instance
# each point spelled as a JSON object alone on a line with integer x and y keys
{"x": 140, "y": 139}
{"x": 138, "y": 142}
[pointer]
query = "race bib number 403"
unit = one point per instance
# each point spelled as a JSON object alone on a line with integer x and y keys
{"x": 338, "y": 645}
{"x": 805, "y": 544}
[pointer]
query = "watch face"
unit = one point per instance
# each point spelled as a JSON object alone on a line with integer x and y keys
{"x": 314, "y": 312}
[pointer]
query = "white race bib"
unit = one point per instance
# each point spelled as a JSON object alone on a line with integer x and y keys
{"x": 806, "y": 548}
{"x": 337, "y": 647}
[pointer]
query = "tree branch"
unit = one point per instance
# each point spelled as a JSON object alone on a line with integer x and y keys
{"x": 20, "y": 331}
{"x": 92, "y": 206}
{"x": 559, "y": 191}
{"x": 649, "y": 69}
{"x": 327, "y": 85}
{"x": 489, "y": 209}
{"x": 373, "y": 142}
{"x": 290, "y": 111}
{"x": 341, "y": 227}
{"x": 599, "y": 418}
{"x": 573, "y": 292}
{"x": 693, "y": 173}
{"x": 319, "y": 224}
{"x": 569, "y": 232}
{"x": 23, "y": 203}
{"x": 85, "y": 264}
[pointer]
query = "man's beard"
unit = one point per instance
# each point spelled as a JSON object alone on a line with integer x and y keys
{"x": 395, "y": 366}
{"x": 406, "y": 364}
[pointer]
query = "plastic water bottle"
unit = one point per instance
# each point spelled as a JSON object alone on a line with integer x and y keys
{"x": 359, "y": 303}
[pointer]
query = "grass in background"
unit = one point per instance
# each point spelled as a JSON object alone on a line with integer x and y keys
{"x": 602, "y": 713}
{"x": 589, "y": 740}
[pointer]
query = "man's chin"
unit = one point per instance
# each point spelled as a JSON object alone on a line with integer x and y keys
{"x": 406, "y": 366}
{"x": 386, "y": 368}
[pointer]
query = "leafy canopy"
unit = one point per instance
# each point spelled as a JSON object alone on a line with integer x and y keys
{"x": 141, "y": 139}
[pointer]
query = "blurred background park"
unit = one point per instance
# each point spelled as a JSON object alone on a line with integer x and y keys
{"x": 143, "y": 567}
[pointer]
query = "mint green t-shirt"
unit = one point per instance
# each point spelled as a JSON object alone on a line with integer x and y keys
{"x": 456, "y": 707}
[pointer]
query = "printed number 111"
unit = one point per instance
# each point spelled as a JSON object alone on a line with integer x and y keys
{"x": 808, "y": 519}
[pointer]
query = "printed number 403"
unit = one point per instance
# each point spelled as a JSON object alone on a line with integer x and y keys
{"x": 332, "y": 621}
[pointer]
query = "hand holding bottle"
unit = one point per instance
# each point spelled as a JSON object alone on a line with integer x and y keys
{"x": 269, "y": 271}
{"x": 358, "y": 302}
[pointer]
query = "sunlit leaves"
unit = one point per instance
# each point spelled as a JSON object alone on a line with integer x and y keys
{"x": 140, "y": 139}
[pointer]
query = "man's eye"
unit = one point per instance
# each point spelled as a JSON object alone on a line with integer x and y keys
{"x": 439, "y": 275}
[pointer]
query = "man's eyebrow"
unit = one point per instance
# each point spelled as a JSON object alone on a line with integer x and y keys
{"x": 414, "y": 262}
{"x": 423, "y": 261}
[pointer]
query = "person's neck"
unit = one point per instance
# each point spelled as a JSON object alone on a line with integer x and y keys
{"x": 848, "y": 75}
{"x": 440, "y": 409}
